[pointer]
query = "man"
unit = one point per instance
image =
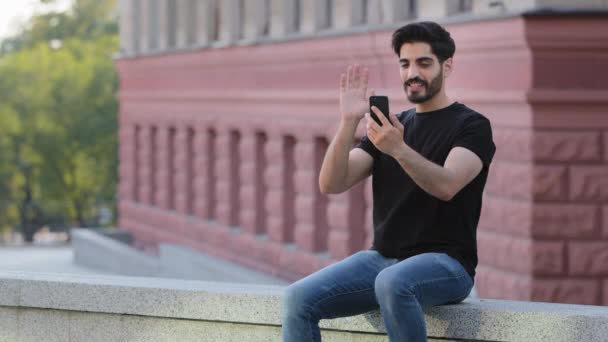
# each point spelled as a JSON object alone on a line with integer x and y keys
{"x": 429, "y": 166}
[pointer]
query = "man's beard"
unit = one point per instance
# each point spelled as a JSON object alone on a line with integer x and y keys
{"x": 431, "y": 90}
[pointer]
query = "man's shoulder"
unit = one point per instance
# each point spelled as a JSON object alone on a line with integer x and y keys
{"x": 470, "y": 114}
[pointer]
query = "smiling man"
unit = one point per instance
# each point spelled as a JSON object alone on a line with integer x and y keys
{"x": 429, "y": 166}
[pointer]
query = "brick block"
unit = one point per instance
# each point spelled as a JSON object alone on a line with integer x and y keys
{"x": 589, "y": 183}
{"x": 550, "y": 182}
{"x": 494, "y": 283}
{"x": 605, "y": 221}
{"x": 588, "y": 258}
{"x": 565, "y": 220}
{"x": 507, "y": 216}
{"x": 605, "y": 146}
{"x": 567, "y": 146}
{"x": 605, "y": 293}
{"x": 304, "y": 236}
{"x": 548, "y": 257}
{"x": 569, "y": 291}
{"x": 512, "y": 144}
{"x": 504, "y": 252}
{"x": 510, "y": 179}
{"x": 338, "y": 244}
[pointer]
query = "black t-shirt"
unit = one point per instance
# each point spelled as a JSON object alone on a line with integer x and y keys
{"x": 409, "y": 221}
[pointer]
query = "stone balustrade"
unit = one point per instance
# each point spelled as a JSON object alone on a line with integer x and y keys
{"x": 153, "y": 26}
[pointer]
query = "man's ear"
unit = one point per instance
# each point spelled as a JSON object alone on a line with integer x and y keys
{"x": 447, "y": 67}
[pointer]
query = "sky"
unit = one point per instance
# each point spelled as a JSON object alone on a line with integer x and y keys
{"x": 13, "y": 13}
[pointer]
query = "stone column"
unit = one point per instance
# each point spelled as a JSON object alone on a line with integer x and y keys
{"x": 163, "y": 169}
{"x": 182, "y": 170}
{"x": 437, "y": 9}
{"x": 227, "y": 178}
{"x": 347, "y": 13}
{"x": 230, "y": 21}
{"x": 204, "y": 179}
{"x": 128, "y": 180}
{"x": 247, "y": 189}
{"x": 207, "y": 11}
{"x": 387, "y": 11}
{"x": 256, "y": 19}
{"x": 314, "y": 15}
{"x": 144, "y": 17}
{"x": 283, "y": 17}
{"x": 346, "y": 219}
{"x": 126, "y": 26}
{"x": 311, "y": 227}
{"x": 145, "y": 160}
{"x": 181, "y": 23}
{"x": 279, "y": 179}
{"x": 163, "y": 24}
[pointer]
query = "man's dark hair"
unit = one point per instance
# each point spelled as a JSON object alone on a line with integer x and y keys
{"x": 442, "y": 44}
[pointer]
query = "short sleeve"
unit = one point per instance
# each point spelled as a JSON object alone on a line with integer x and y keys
{"x": 476, "y": 136}
{"x": 366, "y": 145}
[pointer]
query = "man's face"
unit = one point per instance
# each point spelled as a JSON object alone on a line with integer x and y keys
{"x": 421, "y": 73}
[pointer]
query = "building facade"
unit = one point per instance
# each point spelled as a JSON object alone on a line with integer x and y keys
{"x": 227, "y": 108}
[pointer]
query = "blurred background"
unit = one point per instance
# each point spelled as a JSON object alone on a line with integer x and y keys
{"x": 57, "y": 116}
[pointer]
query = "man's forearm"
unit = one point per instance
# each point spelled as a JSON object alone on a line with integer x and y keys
{"x": 432, "y": 178}
{"x": 334, "y": 169}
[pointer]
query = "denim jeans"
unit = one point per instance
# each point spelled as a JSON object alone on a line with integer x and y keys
{"x": 367, "y": 281}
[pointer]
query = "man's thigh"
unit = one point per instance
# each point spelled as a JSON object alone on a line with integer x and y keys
{"x": 342, "y": 289}
{"x": 434, "y": 278}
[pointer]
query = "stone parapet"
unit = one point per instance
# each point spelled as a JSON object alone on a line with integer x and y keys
{"x": 51, "y": 307}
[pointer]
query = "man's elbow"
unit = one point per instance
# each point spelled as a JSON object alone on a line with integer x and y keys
{"x": 327, "y": 189}
{"x": 446, "y": 193}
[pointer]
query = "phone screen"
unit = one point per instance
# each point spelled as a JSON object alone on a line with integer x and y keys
{"x": 381, "y": 102}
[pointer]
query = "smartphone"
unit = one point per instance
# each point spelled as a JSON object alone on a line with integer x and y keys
{"x": 381, "y": 102}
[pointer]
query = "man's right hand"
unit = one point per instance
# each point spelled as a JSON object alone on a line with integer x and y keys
{"x": 354, "y": 96}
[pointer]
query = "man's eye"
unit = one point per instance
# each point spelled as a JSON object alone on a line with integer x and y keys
{"x": 404, "y": 65}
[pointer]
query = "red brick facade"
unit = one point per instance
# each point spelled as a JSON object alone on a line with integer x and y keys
{"x": 221, "y": 148}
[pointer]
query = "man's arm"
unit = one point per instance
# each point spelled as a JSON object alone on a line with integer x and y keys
{"x": 342, "y": 167}
{"x": 443, "y": 182}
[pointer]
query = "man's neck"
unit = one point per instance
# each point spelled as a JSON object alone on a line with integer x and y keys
{"x": 439, "y": 101}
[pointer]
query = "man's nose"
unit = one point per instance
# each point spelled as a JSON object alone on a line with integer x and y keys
{"x": 413, "y": 72}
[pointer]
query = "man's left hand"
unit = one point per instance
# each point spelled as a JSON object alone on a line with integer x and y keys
{"x": 387, "y": 138}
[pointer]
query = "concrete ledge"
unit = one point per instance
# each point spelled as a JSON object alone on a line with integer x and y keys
{"x": 196, "y": 310}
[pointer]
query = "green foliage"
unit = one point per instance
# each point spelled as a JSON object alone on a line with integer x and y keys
{"x": 58, "y": 126}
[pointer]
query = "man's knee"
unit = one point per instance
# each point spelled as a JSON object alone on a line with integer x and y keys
{"x": 296, "y": 301}
{"x": 390, "y": 285}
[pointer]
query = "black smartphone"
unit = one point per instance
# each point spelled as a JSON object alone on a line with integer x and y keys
{"x": 381, "y": 102}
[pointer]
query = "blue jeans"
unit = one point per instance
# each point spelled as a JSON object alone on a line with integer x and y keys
{"x": 367, "y": 281}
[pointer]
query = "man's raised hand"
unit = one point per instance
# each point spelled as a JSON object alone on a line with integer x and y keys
{"x": 354, "y": 95}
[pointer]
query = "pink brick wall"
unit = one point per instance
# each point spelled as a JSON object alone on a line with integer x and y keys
{"x": 220, "y": 151}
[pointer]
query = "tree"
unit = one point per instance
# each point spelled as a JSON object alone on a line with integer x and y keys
{"x": 58, "y": 117}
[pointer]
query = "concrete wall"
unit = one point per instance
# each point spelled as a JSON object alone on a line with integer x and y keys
{"x": 47, "y": 307}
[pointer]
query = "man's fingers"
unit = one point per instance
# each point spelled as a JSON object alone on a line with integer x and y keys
{"x": 364, "y": 79}
{"x": 372, "y": 126}
{"x": 357, "y": 76}
{"x": 342, "y": 81}
{"x": 349, "y": 76}
{"x": 380, "y": 116}
{"x": 396, "y": 122}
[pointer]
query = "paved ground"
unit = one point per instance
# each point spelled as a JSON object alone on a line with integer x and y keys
{"x": 41, "y": 258}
